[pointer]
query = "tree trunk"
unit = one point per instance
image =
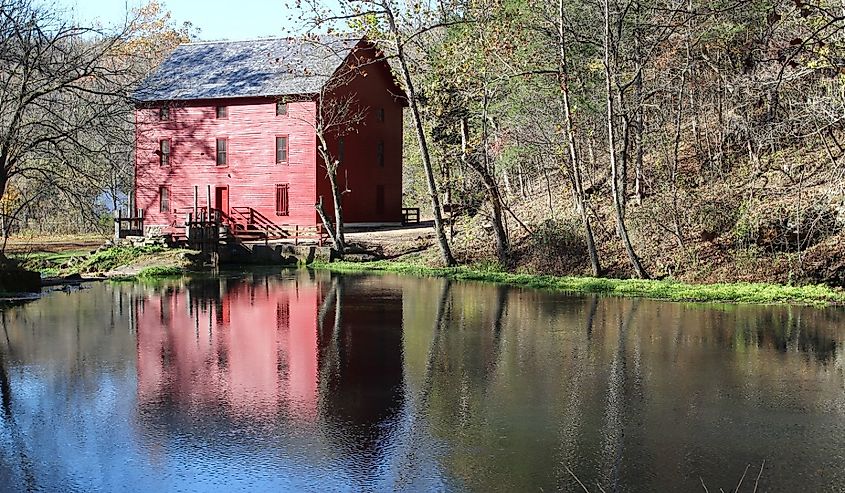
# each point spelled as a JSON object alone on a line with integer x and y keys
{"x": 338, "y": 210}
{"x": 329, "y": 228}
{"x": 611, "y": 139}
{"x": 443, "y": 242}
{"x": 573, "y": 150}
{"x": 493, "y": 195}
{"x": 638, "y": 116}
{"x": 331, "y": 171}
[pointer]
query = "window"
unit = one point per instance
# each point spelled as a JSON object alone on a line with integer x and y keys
{"x": 380, "y": 198}
{"x": 282, "y": 149}
{"x": 222, "y": 152}
{"x": 341, "y": 150}
{"x": 380, "y": 153}
{"x": 163, "y": 199}
{"x": 164, "y": 153}
{"x": 282, "y": 200}
{"x": 381, "y": 114}
{"x": 164, "y": 113}
{"x": 222, "y": 112}
{"x": 281, "y": 108}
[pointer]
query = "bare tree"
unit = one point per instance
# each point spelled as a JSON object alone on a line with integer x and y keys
{"x": 64, "y": 99}
{"x": 577, "y": 181}
{"x": 386, "y": 14}
{"x": 338, "y": 113}
{"x": 616, "y": 176}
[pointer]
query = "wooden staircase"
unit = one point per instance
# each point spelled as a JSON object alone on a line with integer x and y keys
{"x": 245, "y": 224}
{"x": 247, "y": 232}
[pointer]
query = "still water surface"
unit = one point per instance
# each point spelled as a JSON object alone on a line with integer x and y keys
{"x": 302, "y": 381}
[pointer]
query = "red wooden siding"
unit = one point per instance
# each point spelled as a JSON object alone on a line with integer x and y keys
{"x": 251, "y": 172}
{"x": 361, "y": 171}
{"x": 251, "y": 129}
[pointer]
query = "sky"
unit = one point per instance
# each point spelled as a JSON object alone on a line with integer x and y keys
{"x": 216, "y": 19}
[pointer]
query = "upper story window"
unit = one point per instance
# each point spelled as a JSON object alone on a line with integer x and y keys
{"x": 163, "y": 114}
{"x": 163, "y": 199}
{"x": 381, "y": 114}
{"x": 164, "y": 152}
{"x": 281, "y": 108}
{"x": 341, "y": 150}
{"x": 281, "y": 148}
{"x": 221, "y": 112}
{"x": 222, "y": 152}
{"x": 380, "y": 153}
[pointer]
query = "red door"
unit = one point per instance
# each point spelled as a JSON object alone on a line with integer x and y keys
{"x": 221, "y": 201}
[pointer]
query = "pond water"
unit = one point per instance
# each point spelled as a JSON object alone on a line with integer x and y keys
{"x": 306, "y": 381}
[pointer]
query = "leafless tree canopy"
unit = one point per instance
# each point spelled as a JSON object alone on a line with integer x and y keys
{"x": 65, "y": 110}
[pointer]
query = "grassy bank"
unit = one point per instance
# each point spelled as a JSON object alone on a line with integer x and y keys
{"x": 761, "y": 293}
{"x": 49, "y": 264}
{"x": 117, "y": 262}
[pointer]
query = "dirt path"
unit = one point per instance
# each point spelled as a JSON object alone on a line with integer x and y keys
{"x": 54, "y": 243}
{"x": 394, "y": 240}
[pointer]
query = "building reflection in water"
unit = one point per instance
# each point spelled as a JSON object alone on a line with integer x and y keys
{"x": 303, "y": 348}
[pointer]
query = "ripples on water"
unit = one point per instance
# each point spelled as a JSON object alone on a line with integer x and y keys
{"x": 303, "y": 381}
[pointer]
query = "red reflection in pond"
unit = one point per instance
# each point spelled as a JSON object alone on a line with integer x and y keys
{"x": 250, "y": 345}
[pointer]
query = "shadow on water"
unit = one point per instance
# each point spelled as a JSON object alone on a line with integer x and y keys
{"x": 309, "y": 381}
{"x": 17, "y": 438}
{"x": 361, "y": 370}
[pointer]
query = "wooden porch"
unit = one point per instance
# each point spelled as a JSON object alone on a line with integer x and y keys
{"x": 245, "y": 224}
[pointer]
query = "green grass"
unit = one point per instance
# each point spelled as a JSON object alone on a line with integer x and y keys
{"x": 47, "y": 263}
{"x": 762, "y": 293}
{"x": 151, "y": 274}
{"x": 115, "y": 257}
{"x": 50, "y": 264}
{"x": 161, "y": 271}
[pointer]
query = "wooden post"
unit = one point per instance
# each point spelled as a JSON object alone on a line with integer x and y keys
{"x": 117, "y": 219}
{"x": 208, "y": 200}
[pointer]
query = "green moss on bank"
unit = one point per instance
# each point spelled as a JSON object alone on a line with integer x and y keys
{"x": 161, "y": 271}
{"x": 151, "y": 273}
{"x": 761, "y": 293}
{"x": 114, "y": 257}
{"x": 49, "y": 264}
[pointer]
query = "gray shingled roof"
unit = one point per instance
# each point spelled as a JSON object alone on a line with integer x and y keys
{"x": 264, "y": 67}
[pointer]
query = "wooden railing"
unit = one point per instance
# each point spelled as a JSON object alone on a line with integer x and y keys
{"x": 410, "y": 215}
{"x": 128, "y": 226}
{"x": 202, "y": 228}
{"x": 248, "y": 219}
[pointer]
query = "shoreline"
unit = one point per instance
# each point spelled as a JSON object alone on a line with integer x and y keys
{"x": 664, "y": 290}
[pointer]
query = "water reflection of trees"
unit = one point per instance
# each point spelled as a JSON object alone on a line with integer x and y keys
{"x": 396, "y": 381}
{"x": 55, "y": 353}
{"x": 613, "y": 378}
{"x": 360, "y": 369}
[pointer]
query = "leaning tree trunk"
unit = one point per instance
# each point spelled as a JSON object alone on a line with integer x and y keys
{"x": 338, "y": 210}
{"x": 573, "y": 150}
{"x": 493, "y": 195}
{"x": 443, "y": 242}
{"x": 336, "y": 229}
{"x": 329, "y": 229}
{"x": 611, "y": 139}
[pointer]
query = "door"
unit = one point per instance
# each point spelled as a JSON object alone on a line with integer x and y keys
{"x": 221, "y": 201}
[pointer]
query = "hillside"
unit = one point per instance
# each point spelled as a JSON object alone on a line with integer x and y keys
{"x": 778, "y": 223}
